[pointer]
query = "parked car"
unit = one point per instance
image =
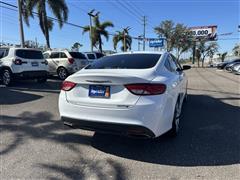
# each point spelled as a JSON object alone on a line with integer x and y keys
{"x": 22, "y": 63}
{"x": 135, "y": 94}
{"x": 64, "y": 62}
{"x": 236, "y": 68}
{"x": 225, "y": 63}
{"x": 229, "y": 66}
{"x": 91, "y": 56}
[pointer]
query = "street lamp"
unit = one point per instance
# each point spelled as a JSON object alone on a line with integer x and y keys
{"x": 90, "y": 27}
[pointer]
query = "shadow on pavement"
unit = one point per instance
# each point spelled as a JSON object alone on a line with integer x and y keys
{"x": 51, "y": 86}
{"x": 209, "y": 136}
{"x": 41, "y": 126}
{"x": 11, "y": 97}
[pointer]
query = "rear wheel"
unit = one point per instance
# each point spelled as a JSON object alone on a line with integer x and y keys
{"x": 6, "y": 77}
{"x": 176, "y": 120}
{"x": 62, "y": 73}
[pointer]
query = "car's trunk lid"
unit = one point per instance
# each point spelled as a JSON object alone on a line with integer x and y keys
{"x": 114, "y": 79}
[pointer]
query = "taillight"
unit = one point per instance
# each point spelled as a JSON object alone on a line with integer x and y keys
{"x": 45, "y": 62}
{"x": 67, "y": 85}
{"x": 71, "y": 60}
{"x": 146, "y": 89}
{"x": 18, "y": 61}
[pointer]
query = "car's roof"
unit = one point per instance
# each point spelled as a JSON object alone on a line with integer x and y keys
{"x": 140, "y": 52}
{"x": 54, "y": 50}
{"x": 91, "y": 52}
{"x": 19, "y": 48}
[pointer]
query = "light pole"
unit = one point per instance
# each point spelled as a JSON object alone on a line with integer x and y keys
{"x": 139, "y": 43}
{"x": 144, "y": 31}
{"x": 90, "y": 28}
{"x": 20, "y": 22}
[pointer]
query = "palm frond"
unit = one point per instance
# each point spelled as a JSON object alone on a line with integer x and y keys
{"x": 106, "y": 24}
{"x": 59, "y": 9}
{"x": 86, "y": 29}
{"x": 105, "y": 34}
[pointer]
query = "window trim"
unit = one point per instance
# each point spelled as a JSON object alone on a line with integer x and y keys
{"x": 54, "y": 53}
{"x": 62, "y": 53}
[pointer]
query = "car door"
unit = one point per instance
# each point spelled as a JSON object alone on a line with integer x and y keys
{"x": 174, "y": 81}
{"x": 54, "y": 62}
{"x": 182, "y": 78}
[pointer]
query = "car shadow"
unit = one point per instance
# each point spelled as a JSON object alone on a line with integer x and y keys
{"x": 42, "y": 126}
{"x": 51, "y": 86}
{"x": 11, "y": 97}
{"x": 209, "y": 136}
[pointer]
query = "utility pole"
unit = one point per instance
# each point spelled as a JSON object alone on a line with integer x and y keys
{"x": 20, "y": 22}
{"x": 139, "y": 43}
{"x": 194, "y": 52}
{"x": 90, "y": 27}
{"x": 144, "y": 31}
{"x": 124, "y": 41}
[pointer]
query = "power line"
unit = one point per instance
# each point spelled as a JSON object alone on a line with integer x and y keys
{"x": 14, "y": 8}
{"x": 125, "y": 10}
{"x": 139, "y": 11}
{"x": 51, "y": 18}
{"x": 129, "y": 10}
{"x": 134, "y": 8}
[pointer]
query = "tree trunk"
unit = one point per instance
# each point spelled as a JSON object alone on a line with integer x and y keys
{"x": 202, "y": 62}
{"x": 100, "y": 43}
{"x": 45, "y": 24}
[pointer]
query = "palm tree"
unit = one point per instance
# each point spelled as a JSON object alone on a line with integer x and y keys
{"x": 58, "y": 7}
{"x": 167, "y": 30}
{"x": 124, "y": 37}
{"x": 223, "y": 56}
{"x": 236, "y": 50}
{"x": 76, "y": 46}
{"x": 98, "y": 30}
{"x": 206, "y": 49}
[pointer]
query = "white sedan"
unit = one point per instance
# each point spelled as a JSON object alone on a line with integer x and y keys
{"x": 134, "y": 94}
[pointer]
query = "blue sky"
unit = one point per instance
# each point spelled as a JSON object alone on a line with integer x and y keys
{"x": 224, "y": 13}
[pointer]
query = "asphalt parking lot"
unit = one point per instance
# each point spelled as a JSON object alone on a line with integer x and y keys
{"x": 36, "y": 145}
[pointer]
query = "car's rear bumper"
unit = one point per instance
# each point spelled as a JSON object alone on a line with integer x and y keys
{"x": 147, "y": 116}
{"x": 31, "y": 74}
{"x": 112, "y": 128}
{"x": 235, "y": 71}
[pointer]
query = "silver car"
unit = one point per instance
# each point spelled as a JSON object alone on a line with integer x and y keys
{"x": 64, "y": 62}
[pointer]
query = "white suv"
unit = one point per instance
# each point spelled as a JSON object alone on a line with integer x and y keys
{"x": 22, "y": 63}
{"x": 64, "y": 63}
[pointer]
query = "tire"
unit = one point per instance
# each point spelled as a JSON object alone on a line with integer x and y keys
{"x": 41, "y": 80}
{"x": 176, "y": 120}
{"x": 62, "y": 73}
{"x": 6, "y": 77}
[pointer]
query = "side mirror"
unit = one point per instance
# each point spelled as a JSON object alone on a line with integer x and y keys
{"x": 186, "y": 67}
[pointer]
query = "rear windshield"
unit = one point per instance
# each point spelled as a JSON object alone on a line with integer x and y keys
{"x": 29, "y": 54}
{"x": 126, "y": 61}
{"x": 99, "y": 55}
{"x": 3, "y": 52}
{"x": 91, "y": 56}
{"x": 236, "y": 60}
{"x": 77, "y": 55}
